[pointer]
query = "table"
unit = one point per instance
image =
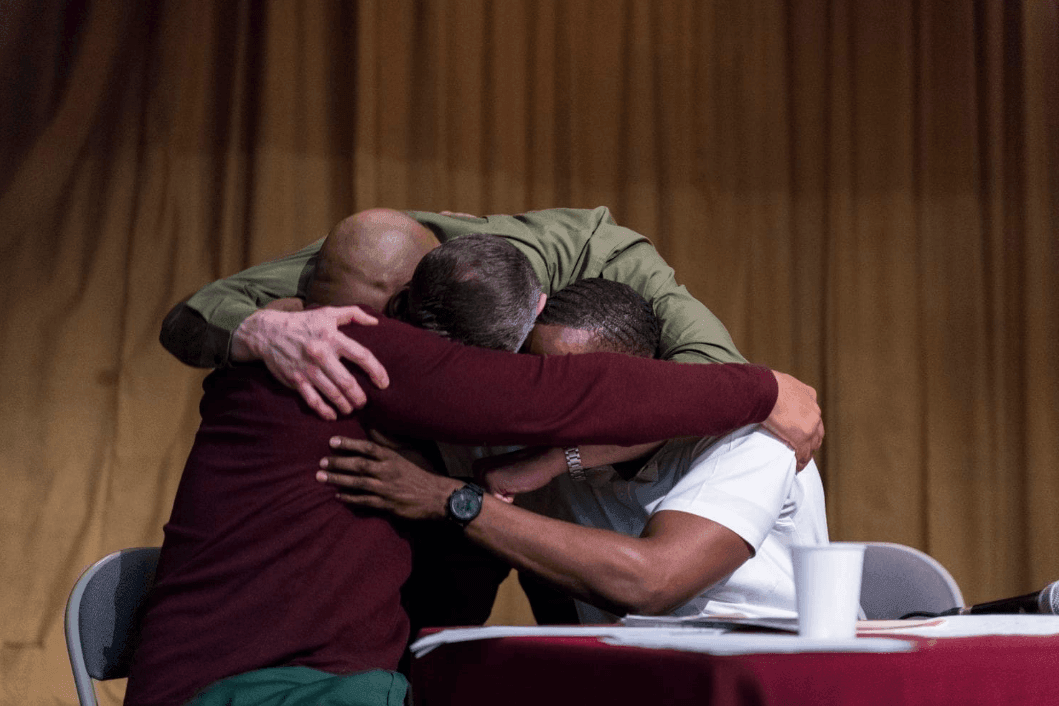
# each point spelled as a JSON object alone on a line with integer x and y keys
{"x": 582, "y": 671}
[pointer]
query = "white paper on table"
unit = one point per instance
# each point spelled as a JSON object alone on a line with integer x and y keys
{"x": 726, "y": 622}
{"x": 726, "y": 643}
{"x": 444, "y": 637}
{"x": 966, "y": 626}
{"x": 694, "y": 639}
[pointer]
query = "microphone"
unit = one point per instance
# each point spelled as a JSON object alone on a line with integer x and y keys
{"x": 1045, "y": 601}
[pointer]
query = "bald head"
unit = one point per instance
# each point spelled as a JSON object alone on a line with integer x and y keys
{"x": 367, "y": 257}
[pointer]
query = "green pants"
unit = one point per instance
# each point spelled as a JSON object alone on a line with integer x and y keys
{"x": 302, "y": 686}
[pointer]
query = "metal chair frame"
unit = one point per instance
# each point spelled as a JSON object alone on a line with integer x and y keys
{"x": 899, "y": 580}
{"x": 103, "y": 614}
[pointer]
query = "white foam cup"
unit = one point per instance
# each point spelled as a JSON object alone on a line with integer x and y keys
{"x": 827, "y": 586}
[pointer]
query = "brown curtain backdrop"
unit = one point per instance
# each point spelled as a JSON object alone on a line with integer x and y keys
{"x": 867, "y": 193}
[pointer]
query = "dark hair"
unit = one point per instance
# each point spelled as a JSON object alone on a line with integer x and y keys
{"x": 478, "y": 289}
{"x": 620, "y": 319}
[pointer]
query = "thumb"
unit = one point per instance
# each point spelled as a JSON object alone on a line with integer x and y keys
{"x": 346, "y": 314}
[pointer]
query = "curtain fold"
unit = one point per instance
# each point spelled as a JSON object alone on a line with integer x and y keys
{"x": 867, "y": 194}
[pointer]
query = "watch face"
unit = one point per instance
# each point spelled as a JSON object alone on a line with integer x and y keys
{"x": 464, "y": 504}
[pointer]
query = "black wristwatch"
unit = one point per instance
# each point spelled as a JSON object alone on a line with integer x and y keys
{"x": 464, "y": 504}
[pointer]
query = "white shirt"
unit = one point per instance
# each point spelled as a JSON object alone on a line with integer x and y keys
{"x": 745, "y": 481}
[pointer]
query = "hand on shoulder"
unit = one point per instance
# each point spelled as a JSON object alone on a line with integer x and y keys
{"x": 304, "y": 350}
{"x": 796, "y": 418}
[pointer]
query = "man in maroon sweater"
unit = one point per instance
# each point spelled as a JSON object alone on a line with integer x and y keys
{"x": 264, "y": 574}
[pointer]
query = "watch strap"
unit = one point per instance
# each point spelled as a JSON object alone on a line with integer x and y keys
{"x": 573, "y": 464}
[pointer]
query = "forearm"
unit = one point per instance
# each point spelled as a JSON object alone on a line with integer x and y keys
{"x": 199, "y": 330}
{"x": 606, "y": 569}
{"x": 531, "y": 468}
{"x": 593, "y": 455}
{"x": 485, "y": 397}
{"x": 676, "y": 558}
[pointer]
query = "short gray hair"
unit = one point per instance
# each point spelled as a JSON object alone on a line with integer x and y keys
{"x": 477, "y": 289}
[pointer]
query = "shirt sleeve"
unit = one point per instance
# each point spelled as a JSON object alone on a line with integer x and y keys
{"x": 461, "y": 394}
{"x": 740, "y": 481}
{"x": 568, "y": 244}
{"x": 198, "y": 331}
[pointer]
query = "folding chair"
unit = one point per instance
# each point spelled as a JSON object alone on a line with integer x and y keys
{"x": 103, "y": 615}
{"x": 899, "y": 580}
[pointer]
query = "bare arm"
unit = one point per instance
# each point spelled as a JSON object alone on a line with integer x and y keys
{"x": 677, "y": 556}
{"x": 522, "y": 471}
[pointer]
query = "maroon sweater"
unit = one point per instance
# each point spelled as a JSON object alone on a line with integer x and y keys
{"x": 261, "y": 566}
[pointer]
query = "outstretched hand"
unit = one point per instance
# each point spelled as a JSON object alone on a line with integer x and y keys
{"x": 380, "y": 478}
{"x": 796, "y": 419}
{"x": 304, "y": 350}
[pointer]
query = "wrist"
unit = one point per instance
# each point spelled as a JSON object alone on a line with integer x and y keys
{"x": 248, "y": 336}
{"x": 464, "y": 504}
{"x": 555, "y": 460}
{"x": 445, "y": 487}
{"x": 574, "y": 467}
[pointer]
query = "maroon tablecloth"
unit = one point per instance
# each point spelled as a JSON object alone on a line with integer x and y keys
{"x": 582, "y": 671}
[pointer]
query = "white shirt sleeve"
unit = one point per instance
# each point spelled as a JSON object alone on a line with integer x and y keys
{"x": 740, "y": 481}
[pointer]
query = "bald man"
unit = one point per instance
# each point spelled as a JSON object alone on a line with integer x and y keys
{"x": 363, "y": 261}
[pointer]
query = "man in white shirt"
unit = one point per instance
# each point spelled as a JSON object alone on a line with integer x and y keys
{"x": 715, "y": 518}
{"x": 745, "y": 481}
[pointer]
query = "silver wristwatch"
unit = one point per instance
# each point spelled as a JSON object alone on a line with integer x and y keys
{"x": 573, "y": 464}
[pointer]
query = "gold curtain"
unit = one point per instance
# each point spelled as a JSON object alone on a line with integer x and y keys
{"x": 867, "y": 194}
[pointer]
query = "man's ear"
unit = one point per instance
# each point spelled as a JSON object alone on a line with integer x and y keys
{"x": 397, "y": 306}
{"x": 540, "y": 303}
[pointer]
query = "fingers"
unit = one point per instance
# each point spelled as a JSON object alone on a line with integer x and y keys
{"x": 345, "y": 480}
{"x": 358, "y": 446}
{"x": 365, "y": 360}
{"x": 330, "y": 376}
{"x": 796, "y": 418}
{"x": 345, "y": 314}
{"x": 353, "y": 351}
{"x": 370, "y": 501}
{"x": 315, "y": 402}
{"x": 358, "y": 477}
{"x": 344, "y": 402}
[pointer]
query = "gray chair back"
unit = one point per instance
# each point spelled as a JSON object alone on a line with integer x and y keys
{"x": 103, "y": 615}
{"x": 899, "y": 580}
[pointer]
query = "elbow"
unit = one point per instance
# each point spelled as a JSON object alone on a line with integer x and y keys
{"x": 642, "y": 586}
{"x": 655, "y": 599}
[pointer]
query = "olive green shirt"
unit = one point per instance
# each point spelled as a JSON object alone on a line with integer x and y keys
{"x": 562, "y": 244}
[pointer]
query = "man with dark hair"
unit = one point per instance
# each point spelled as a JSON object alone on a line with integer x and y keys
{"x": 690, "y": 476}
{"x": 696, "y": 527}
{"x": 618, "y": 319}
{"x": 266, "y": 585}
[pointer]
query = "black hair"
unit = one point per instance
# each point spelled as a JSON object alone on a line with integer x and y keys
{"x": 620, "y": 319}
{"x": 477, "y": 289}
